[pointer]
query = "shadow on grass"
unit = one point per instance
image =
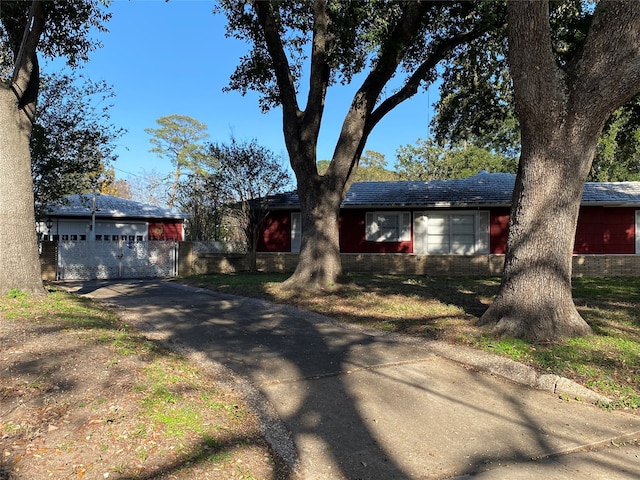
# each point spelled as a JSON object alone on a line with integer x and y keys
{"x": 307, "y": 366}
{"x": 214, "y": 455}
{"x": 418, "y": 305}
{"x": 40, "y": 399}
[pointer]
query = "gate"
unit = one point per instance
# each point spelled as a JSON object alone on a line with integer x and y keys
{"x": 90, "y": 260}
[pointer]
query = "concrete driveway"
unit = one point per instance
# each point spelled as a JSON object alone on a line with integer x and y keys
{"x": 340, "y": 402}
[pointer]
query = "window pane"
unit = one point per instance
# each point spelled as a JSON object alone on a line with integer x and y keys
{"x": 438, "y": 244}
{"x": 463, "y": 234}
{"x": 462, "y": 244}
{"x": 438, "y": 224}
{"x": 483, "y": 240}
{"x": 462, "y": 224}
{"x": 383, "y": 226}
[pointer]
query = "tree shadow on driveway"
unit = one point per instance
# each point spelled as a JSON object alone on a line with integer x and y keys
{"x": 358, "y": 405}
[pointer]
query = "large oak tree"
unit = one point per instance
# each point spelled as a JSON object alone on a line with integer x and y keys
{"x": 55, "y": 29}
{"x": 562, "y": 108}
{"x": 324, "y": 42}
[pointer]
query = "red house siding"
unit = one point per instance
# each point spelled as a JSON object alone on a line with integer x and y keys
{"x": 600, "y": 230}
{"x": 606, "y": 230}
{"x": 165, "y": 231}
{"x": 276, "y": 233}
{"x": 498, "y": 228}
{"x": 353, "y": 236}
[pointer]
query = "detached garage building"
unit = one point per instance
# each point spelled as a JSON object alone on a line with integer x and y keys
{"x": 102, "y": 236}
{"x": 105, "y": 218}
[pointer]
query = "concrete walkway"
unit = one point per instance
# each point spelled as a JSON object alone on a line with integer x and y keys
{"x": 343, "y": 403}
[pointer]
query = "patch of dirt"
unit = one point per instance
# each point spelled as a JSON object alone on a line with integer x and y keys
{"x": 73, "y": 407}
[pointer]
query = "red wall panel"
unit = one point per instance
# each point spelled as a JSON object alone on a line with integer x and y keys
{"x": 276, "y": 233}
{"x": 166, "y": 230}
{"x": 498, "y": 228}
{"x": 605, "y": 230}
{"x": 353, "y": 236}
{"x": 599, "y": 230}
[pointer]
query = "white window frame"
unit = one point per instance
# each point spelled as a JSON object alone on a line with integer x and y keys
{"x": 636, "y": 232}
{"x": 388, "y": 226}
{"x": 431, "y": 224}
{"x": 296, "y": 232}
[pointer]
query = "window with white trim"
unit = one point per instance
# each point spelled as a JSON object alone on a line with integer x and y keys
{"x": 451, "y": 233}
{"x": 388, "y": 226}
{"x": 296, "y": 232}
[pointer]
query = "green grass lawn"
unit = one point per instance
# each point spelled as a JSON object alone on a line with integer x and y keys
{"x": 155, "y": 412}
{"x": 447, "y": 309}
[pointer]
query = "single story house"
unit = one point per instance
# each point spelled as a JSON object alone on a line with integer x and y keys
{"x": 467, "y": 216}
{"x": 105, "y": 218}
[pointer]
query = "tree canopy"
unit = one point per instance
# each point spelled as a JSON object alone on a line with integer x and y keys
{"x": 178, "y": 138}
{"x": 426, "y": 160}
{"x": 372, "y": 167}
{"x": 72, "y": 143}
{"x": 476, "y": 103}
{"x": 324, "y": 43}
{"x": 247, "y": 173}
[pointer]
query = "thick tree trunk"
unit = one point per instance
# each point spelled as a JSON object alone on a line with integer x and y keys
{"x": 535, "y": 300}
{"x": 562, "y": 111}
{"x": 319, "y": 265}
{"x": 19, "y": 260}
{"x": 320, "y": 197}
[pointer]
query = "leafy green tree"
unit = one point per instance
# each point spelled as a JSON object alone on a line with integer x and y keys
{"x": 247, "y": 173}
{"x": 371, "y": 168}
{"x": 380, "y": 40}
{"x": 476, "y": 99}
{"x": 178, "y": 139}
{"x": 564, "y": 97}
{"x": 476, "y": 102}
{"x": 54, "y": 29}
{"x": 200, "y": 198}
{"x": 428, "y": 161}
{"x": 72, "y": 143}
{"x": 618, "y": 152}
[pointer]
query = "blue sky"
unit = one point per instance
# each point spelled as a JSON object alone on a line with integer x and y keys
{"x": 164, "y": 58}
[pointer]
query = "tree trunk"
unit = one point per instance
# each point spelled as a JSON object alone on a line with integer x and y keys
{"x": 319, "y": 265}
{"x": 19, "y": 260}
{"x": 535, "y": 299}
{"x": 562, "y": 111}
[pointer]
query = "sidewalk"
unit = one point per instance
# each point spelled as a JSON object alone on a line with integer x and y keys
{"x": 343, "y": 403}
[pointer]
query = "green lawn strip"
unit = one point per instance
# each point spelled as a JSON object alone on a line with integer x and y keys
{"x": 447, "y": 307}
{"x": 174, "y": 400}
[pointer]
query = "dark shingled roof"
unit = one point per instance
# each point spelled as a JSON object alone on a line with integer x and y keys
{"x": 484, "y": 189}
{"x": 108, "y": 206}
